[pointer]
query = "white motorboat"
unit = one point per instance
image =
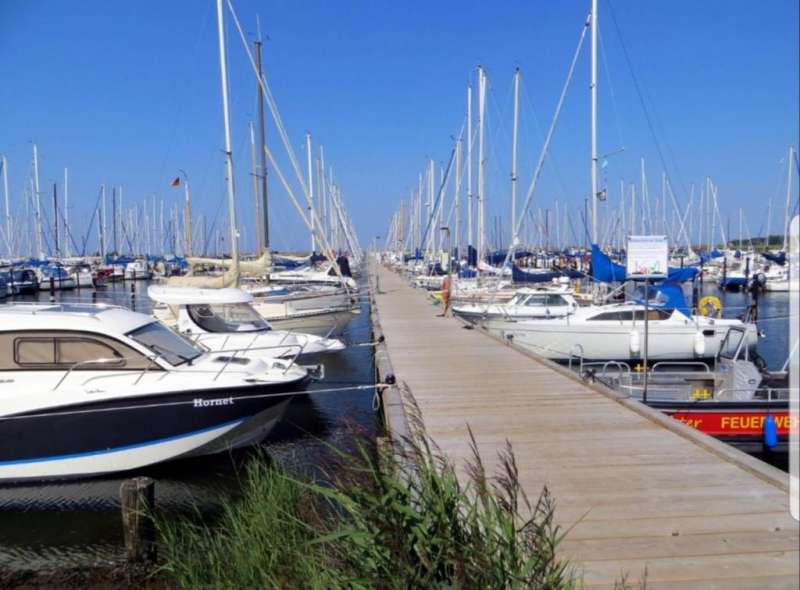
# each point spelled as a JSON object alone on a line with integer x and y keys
{"x": 55, "y": 277}
{"x": 137, "y": 270}
{"x": 87, "y": 390}
{"x": 313, "y": 309}
{"x": 616, "y": 332}
{"x": 222, "y": 319}
{"x": 527, "y": 303}
{"x": 82, "y": 275}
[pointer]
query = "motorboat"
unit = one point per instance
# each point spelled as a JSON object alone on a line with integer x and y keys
{"x": 137, "y": 270}
{"x": 314, "y": 309}
{"x": 617, "y": 331}
{"x": 22, "y": 281}
{"x": 220, "y": 319}
{"x": 527, "y": 303}
{"x": 53, "y": 276}
{"x": 87, "y": 390}
{"x": 82, "y": 274}
{"x": 731, "y": 399}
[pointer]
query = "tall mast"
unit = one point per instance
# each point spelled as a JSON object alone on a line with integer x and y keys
{"x": 67, "y": 251}
{"x": 788, "y": 199}
{"x": 458, "y": 196}
{"x": 593, "y": 87}
{"x": 263, "y": 143}
{"x": 311, "y": 214}
{"x": 481, "y": 159}
{"x": 431, "y": 211}
{"x": 187, "y": 217}
{"x": 325, "y": 194}
{"x": 102, "y": 225}
{"x": 256, "y": 190}
{"x": 55, "y": 219}
{"x": 223, "y": 71}
{"x": 37, "y": 203}
{"x": 4, "y": 163}
{"x": 514, "y": 156}
{"x": 114, "y": 220}
{"x": 469, "y": 165}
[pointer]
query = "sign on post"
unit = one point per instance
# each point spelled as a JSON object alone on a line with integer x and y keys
{"x": 647, "y": 257}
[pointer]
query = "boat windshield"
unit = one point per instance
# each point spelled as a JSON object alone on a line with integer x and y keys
{"x": 729, "y": 349}
{"x": 227, "y": 317}
{"x": 175, "y": 349}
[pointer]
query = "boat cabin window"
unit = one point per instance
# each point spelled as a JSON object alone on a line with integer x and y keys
{"x": 632, "y": 315}
{"x": 175, "y": 349}
{"x": 228, "y": 317}
{"x": 48, "y": 350}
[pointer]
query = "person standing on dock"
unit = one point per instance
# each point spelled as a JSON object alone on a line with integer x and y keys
{"x": 446, "y": 295}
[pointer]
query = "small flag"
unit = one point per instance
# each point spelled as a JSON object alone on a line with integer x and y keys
{"x": 176, "y": 181}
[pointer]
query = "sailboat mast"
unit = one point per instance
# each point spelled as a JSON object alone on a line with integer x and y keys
{"x": 187, "y": 217}
{"x": 788, "y": 199}
{"x": 256, "y": 190}
{"x": 37, "y": 203}
{"x": 458, "y": 196}
{"x": 514, "y": 156}
{"x": 263, "y": 142}
{"x": 4, "y": 163}
{"x": 55, "y": 220}
{"x": 593, "y": 87}
{"x": 481, "y": 159}
{"x": 67, "y": 251}
{"x": 469, "y": 165}
{"x": 311, "y": 215}
{"x": 228, "y": 150}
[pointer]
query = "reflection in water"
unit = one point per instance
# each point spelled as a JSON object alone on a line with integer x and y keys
{"x": 69, "y": 524}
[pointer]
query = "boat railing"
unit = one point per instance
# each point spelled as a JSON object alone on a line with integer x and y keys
{"x": 109, "y": 361}
{"x": 234, "y": 351}
{"x": 579, "y": 349}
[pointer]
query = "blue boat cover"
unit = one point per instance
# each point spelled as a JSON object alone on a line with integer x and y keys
{"x": 779, "y": 258}
{"x": 706, "y": 256}
{"x": 669, "y": 295}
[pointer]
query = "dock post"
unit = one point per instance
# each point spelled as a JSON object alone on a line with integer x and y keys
{"x": 52, "y": 289}
{"x": 137, "y": 501}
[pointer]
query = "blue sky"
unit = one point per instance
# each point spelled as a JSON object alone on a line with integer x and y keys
{"x": 127, "y": 93}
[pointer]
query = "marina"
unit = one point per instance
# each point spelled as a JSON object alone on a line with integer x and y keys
{"x": 325, "y": 298}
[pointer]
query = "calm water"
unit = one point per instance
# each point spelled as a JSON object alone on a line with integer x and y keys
{"x": 78, "y": 523}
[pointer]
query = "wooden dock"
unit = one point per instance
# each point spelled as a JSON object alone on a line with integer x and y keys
{"x": 642, "y": 490}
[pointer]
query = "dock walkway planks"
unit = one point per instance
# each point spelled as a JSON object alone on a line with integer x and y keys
{"x": 644, "y": 494}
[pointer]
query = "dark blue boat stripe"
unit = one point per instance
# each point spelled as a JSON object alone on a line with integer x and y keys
{"x": 122, "y": 448}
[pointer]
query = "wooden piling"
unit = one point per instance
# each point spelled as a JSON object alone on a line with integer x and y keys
{"x": 137, "y": 501}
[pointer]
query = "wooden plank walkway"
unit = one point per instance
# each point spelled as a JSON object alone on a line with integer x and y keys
{"x": 645, "y": 491}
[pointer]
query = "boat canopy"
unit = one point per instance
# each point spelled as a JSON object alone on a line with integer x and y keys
{"x": 668, "y": 295}
{"x": 196, "y": 296}
{"x": 707, "y": 256}
{"x": 779, "y": 258}
{"x": 607, "y": 271}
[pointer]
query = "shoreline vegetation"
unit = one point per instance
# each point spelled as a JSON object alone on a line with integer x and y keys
{"x": 388, "y": 518}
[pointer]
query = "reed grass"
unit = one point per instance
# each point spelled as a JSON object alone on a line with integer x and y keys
{"x": 389, "y": 519}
